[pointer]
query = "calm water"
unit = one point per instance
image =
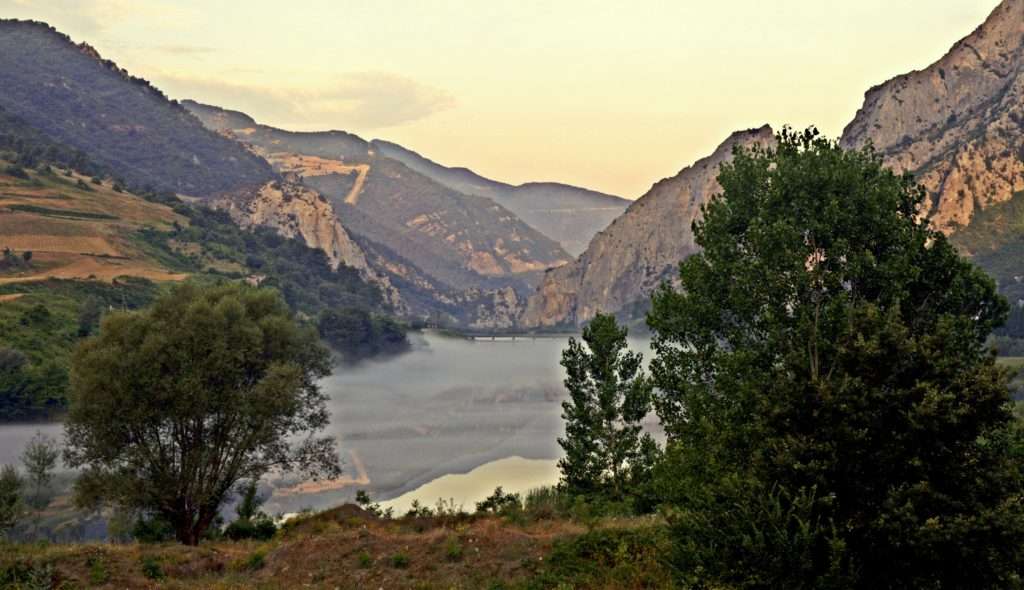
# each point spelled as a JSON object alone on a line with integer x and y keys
{"x": 445, "y": 408}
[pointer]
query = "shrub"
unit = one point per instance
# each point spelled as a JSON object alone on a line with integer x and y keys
{"x": 365, "y": 560}
{"x": 260, "y": 528}
{"x": 28, "y": 576}
{"x": 500, "y": 502}
{"x": 546, "y": 503}
{"x": 256, "y": 561}
{"x": 417, "y": 510}
{"x": 16, "y": 171}
{"x": 98, "y": 573}
{"x": 453, "y": 549}
{"x": 399, "y": 560}
{"x": 151, "y": 568}
{"x": 608, "y": 558}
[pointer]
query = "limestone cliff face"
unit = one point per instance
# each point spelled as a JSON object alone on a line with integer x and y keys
{"x": 958, "y": 125}
{"x": 296, "y": 211}
{"x": 496, "y": 308}
{"x": 463, "y": 240}
{"x": 640, "y": 249}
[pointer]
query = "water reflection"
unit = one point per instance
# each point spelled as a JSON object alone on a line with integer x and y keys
{"x": 515, "y": 475}
{"x": 447, "y": 407}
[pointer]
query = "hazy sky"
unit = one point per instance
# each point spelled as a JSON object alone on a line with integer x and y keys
{"x": 608, "y": 95}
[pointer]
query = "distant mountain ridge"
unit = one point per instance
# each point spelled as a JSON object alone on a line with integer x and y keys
{"x": 569, "y": 214}
{"x": 439, "y": 242}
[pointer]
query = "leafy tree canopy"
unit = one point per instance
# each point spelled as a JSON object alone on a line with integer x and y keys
{"x": 834, "y": 417}
{"x": 174, "y": 405}
{"x": 606, "y": 452}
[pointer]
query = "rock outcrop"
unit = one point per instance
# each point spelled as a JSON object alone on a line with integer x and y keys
{"x": 298, "y": 212}
{"x": 452, "y": 255}
{"x": 958, "y": 124}
{"x": 640, "y": 249}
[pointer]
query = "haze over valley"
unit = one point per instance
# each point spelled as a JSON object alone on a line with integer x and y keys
{"x": 286, "y": 328}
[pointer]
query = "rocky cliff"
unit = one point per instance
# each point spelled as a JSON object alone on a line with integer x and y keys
{"x": 298, "y": 212}
{"x": 450, "y": 254}
{"x": 639, "y": 250}
{"x": 958, "y": 124}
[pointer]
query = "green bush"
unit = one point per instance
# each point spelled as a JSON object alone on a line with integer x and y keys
{"x": 16, "y": 171}
{"x": 151, "y": 567}
{"x": 545, "y": 503}
{"x": 98, "y": 572}
{"x": 256, "y": 561}
{"x": 152, "y": 529}
{"x": 500, "y": 502}
{"x": 609, "y": 558}
{"x": 28, "y": 575}
{"x": 399, "y": 560}
{"x": 453, "y": 549}
{"x": 260, "y": 528}
{"x": 364, "y": 559}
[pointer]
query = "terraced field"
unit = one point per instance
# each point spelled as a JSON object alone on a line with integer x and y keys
{"x": 76, "y": 229}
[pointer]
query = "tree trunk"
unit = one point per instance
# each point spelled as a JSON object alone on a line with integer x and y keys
{"x": 185, "y": 529}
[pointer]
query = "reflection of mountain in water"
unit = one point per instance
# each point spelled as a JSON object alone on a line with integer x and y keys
{"x": 447, "y": 407}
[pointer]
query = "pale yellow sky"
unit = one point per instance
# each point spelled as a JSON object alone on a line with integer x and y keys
{"x": 611, "y": 96}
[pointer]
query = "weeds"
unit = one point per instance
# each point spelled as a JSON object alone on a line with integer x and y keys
{"x": 98, "y": 573}
{"x": 453, "y": 549}
{"x": 151, "y": 568}
{"x": 399, "y": 560}
{"x": 365, "y": 560}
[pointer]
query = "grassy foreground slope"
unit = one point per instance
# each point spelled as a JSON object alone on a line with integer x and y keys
{"x": 347, "y": 548}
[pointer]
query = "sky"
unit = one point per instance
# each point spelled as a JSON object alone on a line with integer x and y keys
{"x": 612, "y": 96}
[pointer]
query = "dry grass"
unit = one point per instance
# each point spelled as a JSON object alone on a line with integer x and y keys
{"x": 75, "y": 245}
{"x": 342, "y": 548}
{"x": 312, "y": 166}
{"x": 74, "y": 266}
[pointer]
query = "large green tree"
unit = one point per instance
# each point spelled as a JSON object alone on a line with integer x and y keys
{"x": 172, "y": 406}
{"x": 833, "y": 414}
{"x": 606, "y": 451}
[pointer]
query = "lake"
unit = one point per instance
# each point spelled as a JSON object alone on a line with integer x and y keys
{"x": 447, "y": 407}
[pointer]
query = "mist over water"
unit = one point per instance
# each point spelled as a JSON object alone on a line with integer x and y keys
{"x": 13, "y": 438}
{"x": 448, "y": 406}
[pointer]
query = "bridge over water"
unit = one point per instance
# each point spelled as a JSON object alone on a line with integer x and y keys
{"x": 504, "y": 335}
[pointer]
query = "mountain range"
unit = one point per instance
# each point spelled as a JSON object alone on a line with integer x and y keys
{"x": 957, "y": 125}
{"x": 449, "y": 244}
{"x": 402, "y": 222}
{"x": 442, "y": 245}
